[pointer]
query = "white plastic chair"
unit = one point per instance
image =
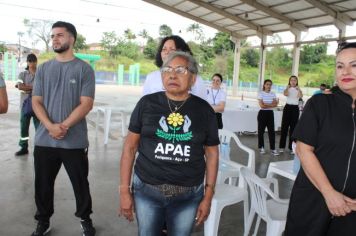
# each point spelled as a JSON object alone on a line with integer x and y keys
{"x": 230, "y": 170}
{"x": 107, "y": 112}
{"x": 225, "y": 195}
{"x": 227, "y": 136}
{"x": 266, "y": 204}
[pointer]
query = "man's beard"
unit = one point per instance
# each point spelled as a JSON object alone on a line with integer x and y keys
{"x": 63, "y": 48}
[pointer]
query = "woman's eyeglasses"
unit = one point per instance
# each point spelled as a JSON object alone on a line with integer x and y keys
{"x": 179, "y": 70}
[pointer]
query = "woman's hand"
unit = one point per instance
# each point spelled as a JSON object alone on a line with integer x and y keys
{"x": 336, "y": 203}
{"x": 126, "y": 205}
{"x": 203, "y": 211}
{"x": 351, "y": 203}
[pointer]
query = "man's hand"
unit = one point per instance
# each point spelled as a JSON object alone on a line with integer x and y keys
{"x": 57, "y": 131}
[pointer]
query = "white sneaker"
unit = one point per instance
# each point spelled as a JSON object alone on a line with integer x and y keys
{"x": 291, "y": 152}
{"x": 262, "y": 151}
{"x": 281, "y": 150}
{"x": 275, "y": 152}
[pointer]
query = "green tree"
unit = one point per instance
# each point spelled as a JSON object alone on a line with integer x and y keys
{"x": 313, "y": 53}
{"x": 127, "y": 49}
{"x": 40, "y": 29}
{"x": 144, "y": 34}
{"x": 80, "y": 43}
{"x": 150, "y": 49}
{"x": 164, "y": 31}
{"x": 129, "y": 35}
{"x": 3, "y": 49}
{"x": 250, "y": 57}
{"x": 222, "y": 42}
{"x": 109, "y": 41}
{"x": 277, "y": 58}
{"x": 197, "y": 31}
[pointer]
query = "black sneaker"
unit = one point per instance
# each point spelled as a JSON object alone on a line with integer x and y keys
{"x": 41, "y": 229}
{"x": 88, "y": 228}
{"x": 22, "y": 151}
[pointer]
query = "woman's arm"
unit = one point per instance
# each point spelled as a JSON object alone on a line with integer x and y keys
{"x": 219, "y": 107}
{"x": 335, "y": 200}
{"x": 285, "y": 92}
{"x": 300, "y": 92}
{"x": 126, "y": 164}
{"x": 212, "y": 163}
{"x": 264, "y": 105}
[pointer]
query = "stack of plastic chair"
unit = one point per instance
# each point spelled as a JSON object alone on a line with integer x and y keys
{"x": 229, "y": 193}
{"x": 266, "y": 204}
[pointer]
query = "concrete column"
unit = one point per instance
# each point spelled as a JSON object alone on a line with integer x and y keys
{"x": 235, "y": 76}
{"x": 342, "y": 30}
{"x": 296, "y": 53}
{"x": 262, "y": 66}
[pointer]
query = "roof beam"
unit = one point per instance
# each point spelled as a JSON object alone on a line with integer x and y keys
{"x": 232, "y": 17}
{"x": 212, "y": 25}
{"x": 331, "y": 12}
{"x": 284, "y": 19}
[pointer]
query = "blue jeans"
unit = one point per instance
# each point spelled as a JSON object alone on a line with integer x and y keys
{"x": 153, "y": 209}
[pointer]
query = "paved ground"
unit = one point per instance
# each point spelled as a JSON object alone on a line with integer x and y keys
{"x": 16, "y": 182}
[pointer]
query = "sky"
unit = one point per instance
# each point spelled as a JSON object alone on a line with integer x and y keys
{"x": 93, "y": 17}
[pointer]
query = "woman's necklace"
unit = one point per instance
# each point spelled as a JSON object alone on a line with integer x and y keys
{"x": 176, "y": 106}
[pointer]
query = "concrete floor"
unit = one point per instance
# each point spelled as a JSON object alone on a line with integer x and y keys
{"x": 17, "y": 175}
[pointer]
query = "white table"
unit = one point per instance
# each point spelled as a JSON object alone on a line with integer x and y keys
{"x": 282, "y": 168}
{"x": 246, "y": 120}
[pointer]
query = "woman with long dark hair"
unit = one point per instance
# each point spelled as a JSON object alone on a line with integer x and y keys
{"x": 290, "y": 112}
{"x": 265, "y": 118}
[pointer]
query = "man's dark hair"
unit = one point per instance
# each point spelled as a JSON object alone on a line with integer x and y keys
{"x": 68, "y": 26}
{"x": 180, "y": 44}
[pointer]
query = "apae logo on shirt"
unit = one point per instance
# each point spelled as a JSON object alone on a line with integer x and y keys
{"x": 172, "y": 130}
{"x": 175, "y": 129}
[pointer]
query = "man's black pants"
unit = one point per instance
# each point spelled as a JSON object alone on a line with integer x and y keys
{"x": 47, "y": 163}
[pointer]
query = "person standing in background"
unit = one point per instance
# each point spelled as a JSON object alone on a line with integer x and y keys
{"x": 4, "y": 103}
{"x": 63, "y": 94}
{"x": 321, "y": 90}
{"x": 265, "y": 118}
{"x": 169, "y": 44}
{"x": 290, "y": 112}
{"x": 25, "y": 82}
{"x": 216, "y": 97}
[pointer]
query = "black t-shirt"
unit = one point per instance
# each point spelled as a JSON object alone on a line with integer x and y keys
{"x": 171, "y": 148}
{"x": 327, "y": 125}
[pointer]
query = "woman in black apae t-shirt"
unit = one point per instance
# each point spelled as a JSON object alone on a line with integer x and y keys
{"x": 323, "y": 201}
{"x": 176, "y": 136}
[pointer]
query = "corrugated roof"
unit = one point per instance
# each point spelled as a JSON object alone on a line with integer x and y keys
{"x": 243, "y": 18}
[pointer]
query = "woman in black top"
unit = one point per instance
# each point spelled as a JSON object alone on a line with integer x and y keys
{"x": 323, "y": 196}
{"x": 176, "y": 136}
